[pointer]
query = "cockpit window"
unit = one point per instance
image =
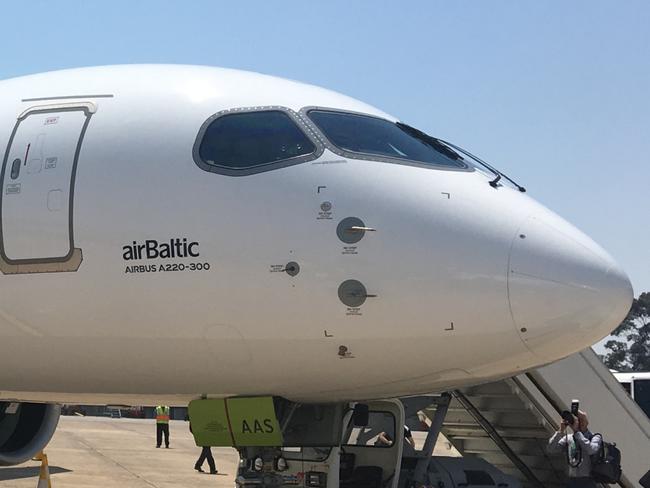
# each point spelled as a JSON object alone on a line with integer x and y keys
{"x": 363, "y": 134}
{"x": 245, "y": 140}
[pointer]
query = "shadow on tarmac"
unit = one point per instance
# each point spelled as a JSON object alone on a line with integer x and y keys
{"x": 27, "y": 472}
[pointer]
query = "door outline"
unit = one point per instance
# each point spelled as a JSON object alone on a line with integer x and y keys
{"x": 72, "y": 260}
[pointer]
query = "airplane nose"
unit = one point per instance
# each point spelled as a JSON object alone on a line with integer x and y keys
{"x": 565, "y": 291}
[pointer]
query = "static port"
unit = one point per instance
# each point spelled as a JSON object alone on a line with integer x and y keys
{"x": 292, "y": 268}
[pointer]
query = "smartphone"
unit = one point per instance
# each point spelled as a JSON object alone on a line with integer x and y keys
{"x": 575, "y": 406}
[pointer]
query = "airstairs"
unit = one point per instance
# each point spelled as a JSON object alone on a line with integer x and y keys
{"x": 508, "y": 422}
{"x": 498, "y": 423}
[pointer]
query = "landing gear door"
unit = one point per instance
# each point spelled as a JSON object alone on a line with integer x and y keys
{"x": 38, "y": 175}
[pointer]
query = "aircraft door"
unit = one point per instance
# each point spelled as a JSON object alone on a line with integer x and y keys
{"x": 38, "y": 175}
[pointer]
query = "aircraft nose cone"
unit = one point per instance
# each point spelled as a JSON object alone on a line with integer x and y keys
{"x": 565, "y": 291}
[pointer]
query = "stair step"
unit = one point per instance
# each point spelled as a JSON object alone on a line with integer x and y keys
{"x": 545, "y": 476}
{"x": 529, "y": 447}
{"x": 507, "y": 429}
{"x": 505, "y": 409}
{"x": 467, "y": 433}
{"x": 487, "y": 403}
{"x": 517, "y": 418}
{"x": 500, "y": 458}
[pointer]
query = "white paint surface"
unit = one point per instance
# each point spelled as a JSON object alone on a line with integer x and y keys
{"x": 442, "y": 254}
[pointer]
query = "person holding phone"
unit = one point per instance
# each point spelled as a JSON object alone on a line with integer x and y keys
{"x": 579, "y": 446}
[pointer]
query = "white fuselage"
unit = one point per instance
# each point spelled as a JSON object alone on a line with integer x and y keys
{"x": 461, "y": 296}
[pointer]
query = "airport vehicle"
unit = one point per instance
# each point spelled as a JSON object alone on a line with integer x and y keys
{"x": 371, "y": 453}
{"x": 637, "y": 384}
{"x": 186, "y": 232}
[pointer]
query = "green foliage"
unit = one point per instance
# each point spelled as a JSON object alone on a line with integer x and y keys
{"x": 632, "y": 354}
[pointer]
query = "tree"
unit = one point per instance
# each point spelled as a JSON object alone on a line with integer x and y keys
{"x": 633, "y": 354}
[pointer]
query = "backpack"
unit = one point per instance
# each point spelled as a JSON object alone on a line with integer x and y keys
{"x": 606, "y": 465}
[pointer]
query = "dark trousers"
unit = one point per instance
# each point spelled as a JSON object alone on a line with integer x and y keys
{"x": 206, "y": 453}
{"x": 160, "y": 430}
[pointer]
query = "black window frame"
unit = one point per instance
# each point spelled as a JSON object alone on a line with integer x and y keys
{"x": 264, "y": 167}
{"x": 463, "y": 166}
{"x": 641, "y": 388}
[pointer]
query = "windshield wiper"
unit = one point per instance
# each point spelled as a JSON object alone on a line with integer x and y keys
{"x": 445, "y": 148}
{"x": 495, "y": 182}
{"x": 498, "y": 174}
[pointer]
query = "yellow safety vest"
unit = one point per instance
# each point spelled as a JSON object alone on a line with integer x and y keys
{"x": 162, "y": 414}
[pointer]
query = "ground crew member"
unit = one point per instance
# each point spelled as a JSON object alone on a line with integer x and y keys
{"x": 162, "y": 425}
{"x": 206, "y": 454}
{"x": 579, "y": 448}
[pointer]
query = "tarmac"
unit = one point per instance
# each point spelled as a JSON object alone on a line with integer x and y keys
{"x": 103, "y": 452}
{"x": 107, "y": 452}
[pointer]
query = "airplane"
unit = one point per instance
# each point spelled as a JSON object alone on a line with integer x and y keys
{"x": 169, "y": 233}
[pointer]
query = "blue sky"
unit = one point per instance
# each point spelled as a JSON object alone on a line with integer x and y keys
{"x": 554, "y": 93}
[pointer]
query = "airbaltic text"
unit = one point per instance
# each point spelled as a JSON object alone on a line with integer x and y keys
{"x": 153, "y": 249}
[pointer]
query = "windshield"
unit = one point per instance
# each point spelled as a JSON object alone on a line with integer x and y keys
{"x": 381, "y": 138}
{"x": 380, "y": 431}
{"x": 374, "y": 136}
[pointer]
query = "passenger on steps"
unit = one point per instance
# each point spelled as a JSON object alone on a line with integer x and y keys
{"x": 579, "y": 448}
